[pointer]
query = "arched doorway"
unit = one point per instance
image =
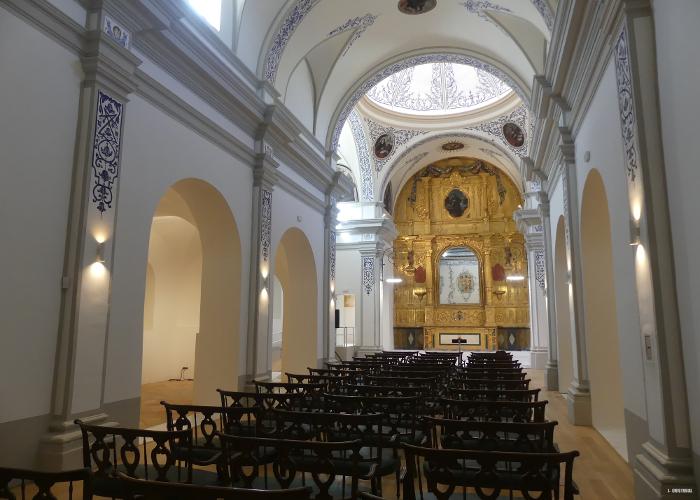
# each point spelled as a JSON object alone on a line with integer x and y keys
{"x": 296, "y": 270}
{"x": 192, "y": 298}
{"x": 561, "y": 285}
{"x": 602, "y": 342}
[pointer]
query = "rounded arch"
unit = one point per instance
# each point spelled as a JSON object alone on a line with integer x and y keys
{"x": 217, "y": 346}
{"x": 561, "y": 288}
{"x": 414, "y": 58}
{"x": 420, "y": 152}
{"x": 602, "y": 340}
{"x": 295, "y": 267}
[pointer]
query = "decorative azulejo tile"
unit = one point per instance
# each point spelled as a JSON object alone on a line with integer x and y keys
{"x": 116, "y": 32}
{"x": 106, "y": 150}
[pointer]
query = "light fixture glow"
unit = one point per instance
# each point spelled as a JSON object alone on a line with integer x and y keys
{"x": 515, "y": 277}
{"x": 394, "y": 280}
{"x": 98, "y": 269}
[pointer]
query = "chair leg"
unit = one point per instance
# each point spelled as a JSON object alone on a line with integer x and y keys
{"x": 398, "y": 482}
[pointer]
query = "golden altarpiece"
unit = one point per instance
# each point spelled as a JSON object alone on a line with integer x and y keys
{"x": 462, "y": 260}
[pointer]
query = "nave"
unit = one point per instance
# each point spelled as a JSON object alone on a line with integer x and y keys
{"x": 343, "y": 401}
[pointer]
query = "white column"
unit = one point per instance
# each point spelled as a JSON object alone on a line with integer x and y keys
{"x": 552, "y": 368}
{"x": 530, "y": 224}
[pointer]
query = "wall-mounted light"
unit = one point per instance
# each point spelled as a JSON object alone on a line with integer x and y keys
{"x": 394, "y": 280}
{"x": 100, "y": 253}
{"x": 635, "y": 233}
{"x": 515, "y": 277}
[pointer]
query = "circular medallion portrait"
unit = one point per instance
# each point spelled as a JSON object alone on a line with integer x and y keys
{"x": 383, "y": 146}
{"x": 452, "y": 146}
{"x": 514, "y": 135}
{"x": 456, "y": 203}
{"x": 413, "y": 7}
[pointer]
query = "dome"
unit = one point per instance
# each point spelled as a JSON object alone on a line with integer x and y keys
{"x": 441, "y": 88}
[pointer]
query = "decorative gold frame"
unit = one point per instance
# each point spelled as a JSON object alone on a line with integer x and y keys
{"x": 437, "y": 254}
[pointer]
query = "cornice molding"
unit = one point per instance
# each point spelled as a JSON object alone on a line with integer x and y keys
{"x": 180, "y": 43}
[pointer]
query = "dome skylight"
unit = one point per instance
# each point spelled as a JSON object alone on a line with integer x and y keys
{"x": 438, "y": 89}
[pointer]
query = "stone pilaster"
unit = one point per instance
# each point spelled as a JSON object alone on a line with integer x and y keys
{"x": 552, "y": 367}
{"x": 530, "y": 224}
{"x": 109, "y": 69}
{"x": 259, "y": 338}
{"x": 578, "y": 395}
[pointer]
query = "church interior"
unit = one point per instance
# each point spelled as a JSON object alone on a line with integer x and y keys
{"x": 354, "y": 249}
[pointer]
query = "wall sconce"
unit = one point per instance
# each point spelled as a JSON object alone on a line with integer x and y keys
{"x": 515, "y": 277}
{"x": 100, "y": 253}
{"x": 394, "y": 280}
{"x": 635, "y": 233}
{"x": 266, "y": 282}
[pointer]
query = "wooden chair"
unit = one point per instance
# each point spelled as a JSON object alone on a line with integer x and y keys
{"x": 43, "y": 483}
{"x": 203, "y": 421}
{"x": 376, "y": 459}
{"x": 493, "y": 411}
{"x": 487, "y": 473}
{"x": 525, "y": 395}
{"x": 529, "y": 437}
{"x": 156, "y": 490}
{"x": 110, "y": 450}
{"x": 323, "y": 461}
{"x": 460, "y": 382}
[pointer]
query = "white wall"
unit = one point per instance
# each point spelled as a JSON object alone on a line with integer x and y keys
{"x": 39, "y": 91}
{"x": 158, "y": 152}
{"x": 289, "y": 212}
{"x": 175, "y": 257}
{"x": 678, "y": 59}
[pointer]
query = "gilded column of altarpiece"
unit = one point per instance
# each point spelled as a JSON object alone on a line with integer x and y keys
{"x": 460, "y": 207}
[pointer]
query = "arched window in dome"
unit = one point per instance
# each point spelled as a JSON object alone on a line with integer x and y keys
{"x": 209, "y": 10}
{"x": 438, "y": 89}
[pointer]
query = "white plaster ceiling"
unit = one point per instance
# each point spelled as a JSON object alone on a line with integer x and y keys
{"x": 509, "y": 35}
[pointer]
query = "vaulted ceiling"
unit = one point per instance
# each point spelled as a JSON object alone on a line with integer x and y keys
{"x": 340, "y": 44}
{"x": 323, "y": 56}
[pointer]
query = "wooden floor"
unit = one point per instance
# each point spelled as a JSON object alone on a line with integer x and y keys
{"x": 600, "y": 472}
{"x": 152, "y": 412}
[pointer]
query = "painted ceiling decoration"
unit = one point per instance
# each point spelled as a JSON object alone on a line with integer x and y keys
{"x": 296, "y": 15}
{"x": 479, "y": 7}
{"x": 545, "y": 11}
{"x": 415, "y": 7}
{"x": 389, "y": 70}
{"x": 452, "y": 146}
{"x": 361, "y": 143}
{"x": 401, "y": 137}
{"x": 359, "y": 24}
{"x": 439, "y": 88}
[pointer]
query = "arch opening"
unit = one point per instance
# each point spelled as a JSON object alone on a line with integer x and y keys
{"x": 192, "y": 299}
{"x": 602, "y": 340}
{"x": 295, "y": 268}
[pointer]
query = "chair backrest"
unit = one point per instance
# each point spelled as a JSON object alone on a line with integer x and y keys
{"x": 43, "y": 483}
{"x": 108, "y": 450}
{"x": 488, "y": 473}
{"x": 156, "y": 490}
{"x": 287, "y": 387}
{"x": 292, "y": 458}
{"x": 400, "y": 412}
{"x": 462, "y": 382}
{"x": 529, "y": 437}
{"x": 204, "y": 421}
{"x": 526, "y": 395}
{"x": 494, "y": 411}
